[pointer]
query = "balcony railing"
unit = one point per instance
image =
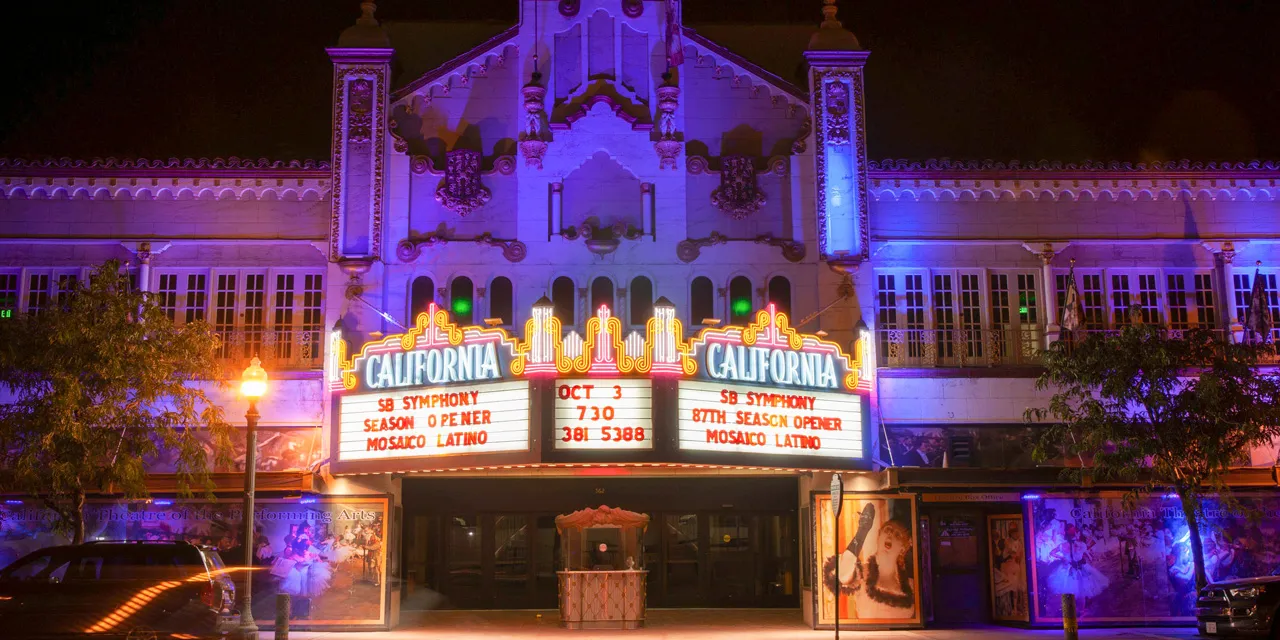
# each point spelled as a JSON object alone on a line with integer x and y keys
{"x": 1267, "y": 353}
{"x": 279, "y": 349}
{"x": 908, "y": 348}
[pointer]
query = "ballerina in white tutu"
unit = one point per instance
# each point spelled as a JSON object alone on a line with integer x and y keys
{"x": 1077, "y": 574}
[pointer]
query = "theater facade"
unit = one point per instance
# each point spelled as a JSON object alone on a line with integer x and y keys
{"x": 607, "y": 258}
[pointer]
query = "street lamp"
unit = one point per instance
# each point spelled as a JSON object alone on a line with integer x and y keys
{"x": 253, "y": 385}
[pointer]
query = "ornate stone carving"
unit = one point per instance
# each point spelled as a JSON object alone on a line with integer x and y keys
{"x": 689, "y": 250}
{"x": 668, "y": 145}
{"x": 836, "y": 98}
{"x": 360, "y": 118}
{"x": 355, "y": 268}
{"x": 853, "y": 122}
{"x": 376, "y": 76}
{"x": 738, "y": 195}
{"x": 533, "y": 142}
{"x": 602, "y": 240}
{"x": 398, "y": 142}
{"x": 461, "y": 191}
{"x": 801, "y": 143}
{"x": 632, "y": 8}
{"x": 569, "y": 8}
{"x": 410, "y": 248}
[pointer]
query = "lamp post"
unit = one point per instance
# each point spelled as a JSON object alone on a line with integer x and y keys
{"x": 253, "y": 384}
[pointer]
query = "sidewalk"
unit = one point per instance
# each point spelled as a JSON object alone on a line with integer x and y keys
{"x": 694, "y": 624}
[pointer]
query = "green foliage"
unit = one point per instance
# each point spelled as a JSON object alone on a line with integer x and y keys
{"x": 1155, "y": 410}
{"x": 100, "y": 385}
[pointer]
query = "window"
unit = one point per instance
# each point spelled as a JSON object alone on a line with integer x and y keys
{"x": 1120, "y": 301}
{"x": 601, "y": 294}
{"x": 641, "y": 292}
{"x": 944, "y": 316}
{"x": 1243, "y": 286}
{"x": 312, "y": 315}
{"x": 1179, "y": 314}
{"x": 740, "y": 305}
{"x": 1091, "y": 301}
{"x": 1206, "y": 313}
{"x": 167, "y": 295}
{"x": 886, "y": 309}
{"x": 971, "y": 314}
{"x": 1148, "y": 299}
{"x": 701, "y": 300}
{"x": 421, "y": 294}
{"x": 8, "y": 295}
{"x": 38, "y": 293}
{"x": 255, "y": 305}
{"x": 562, "y": 298}
{"x": 462, "y": 300}
{"x": 67, "y": 284}
{"x": 224, "y": 311}
{"x": 780, "y": 294}
{"x": 282, "y": 311}
{"x": 197, "y": 283}
{"x": 501, "y": 304}
{"x": 914, "y": 300}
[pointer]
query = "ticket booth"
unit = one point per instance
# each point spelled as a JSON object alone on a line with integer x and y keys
{"x": 602, "y": 585}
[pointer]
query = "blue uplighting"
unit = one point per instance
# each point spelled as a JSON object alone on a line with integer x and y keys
{"x": 309, "y": 500}
{"x": 13, "y": 502}
{"x": 1031, "y": 496}
{"x": 162, "y": 503}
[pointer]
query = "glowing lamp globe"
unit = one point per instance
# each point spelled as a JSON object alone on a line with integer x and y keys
{"x": 741, "y": 307}
{"x": 253, "y": 383}
{"x": 461, "y": 306}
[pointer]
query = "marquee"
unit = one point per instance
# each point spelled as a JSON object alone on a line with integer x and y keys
{"x": 762, "y": 392}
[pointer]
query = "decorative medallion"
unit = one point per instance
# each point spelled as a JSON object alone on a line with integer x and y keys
{"x": 569, "y": 8}
{"x": 632, "y": 8}
{"x": 602, "y": 240}
{"x": 461, "y": 191}
{"x": 837, "y": 104}
{"x": 410, "y": 248}
{"x": 532, "y": 142}
{"x": 738, "y": 194}
{"x": 668, "y": 145}
{"x": 360, "y": 99}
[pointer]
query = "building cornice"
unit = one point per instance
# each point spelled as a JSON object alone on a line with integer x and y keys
{"x": 178, "y": 179}
{"x": 173, "y": 167}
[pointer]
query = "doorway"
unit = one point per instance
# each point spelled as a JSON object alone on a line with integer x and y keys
{"x": 959, "y": 567}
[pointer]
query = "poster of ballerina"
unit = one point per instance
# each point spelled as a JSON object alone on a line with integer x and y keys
{"x": 868, "y": 574}
{"x": 328, "y": 553}
{"x": 1008, "y": 559}
{"x": 1129, "y": 562}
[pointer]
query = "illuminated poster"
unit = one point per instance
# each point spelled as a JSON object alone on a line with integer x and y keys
{"x": 742, "y": 419}
{"x": 1008, "y": 560}
{"x": 425, "y": 422}
{"x": 1126, "y": 564}
{"x": 604, "y": 414}
{"x": 868, "y": 575}
{"x": 329, "y": 553}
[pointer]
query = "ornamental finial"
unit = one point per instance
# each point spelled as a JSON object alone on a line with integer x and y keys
{"x": 366, "y": 14}
{"x": 829, "y": 10}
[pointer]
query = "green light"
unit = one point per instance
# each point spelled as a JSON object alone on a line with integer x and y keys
{"x": 461, "y": 306}
{"x": 1022, "y": 310}
{"x": 741, "y": 307}
{"x": 6, "y": 313}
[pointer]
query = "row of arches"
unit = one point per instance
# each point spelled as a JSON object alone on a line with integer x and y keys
{"x": 737, "y": 305}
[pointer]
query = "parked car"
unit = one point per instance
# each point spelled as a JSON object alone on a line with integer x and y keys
{"x": 114, "y": 589}
{"x": 1245, "y": 607}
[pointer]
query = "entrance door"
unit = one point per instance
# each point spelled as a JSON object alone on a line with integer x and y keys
{"x": 682, "y": 576}
{"x": 734, "y": 551}
{"x": 960, "y": 584}
{"x": 512, "y": 561}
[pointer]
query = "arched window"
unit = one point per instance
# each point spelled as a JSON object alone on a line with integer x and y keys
{"x": 500, "y": 304}
{"x": 702, "y": 300}
{"x": 601, "y": 294}
{"x": 780, "y": 294}
{"x": 641, "y": 292}
{"x": 421, "y": 294}
{"x": 562, "y": 299}
{"x": 462, "y": 300}
{"x": 740, "y": 304}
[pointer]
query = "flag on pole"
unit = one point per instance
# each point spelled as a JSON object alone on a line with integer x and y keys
{"x": 1258, "y": 317}
{"x": 675, "y": 45}
{"x": 1071, "y": 311}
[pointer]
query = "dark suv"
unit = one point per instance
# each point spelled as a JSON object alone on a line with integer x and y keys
{"x": 1245, "y": 607}
{"x": 107, "y": 589}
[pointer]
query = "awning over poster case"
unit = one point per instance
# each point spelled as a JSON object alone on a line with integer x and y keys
{"x": 445, "y": 397}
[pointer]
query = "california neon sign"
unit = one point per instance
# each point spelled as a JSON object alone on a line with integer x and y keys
{"x": 767, "y": 352}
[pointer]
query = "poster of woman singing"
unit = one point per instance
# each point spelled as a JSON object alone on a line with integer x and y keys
{"x": 868, "y": 573}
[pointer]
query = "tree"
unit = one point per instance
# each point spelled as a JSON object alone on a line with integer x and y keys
{"x": 1157, "y": 411}
{"x": 100, "y": 383}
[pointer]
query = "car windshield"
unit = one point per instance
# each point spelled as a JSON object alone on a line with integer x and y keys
{"x": 45, "y": 565}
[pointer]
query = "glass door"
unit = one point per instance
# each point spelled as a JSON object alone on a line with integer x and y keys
{"x": 682, "y": 572}
{"x": 733, "y": 553}
{"x": 546, "y": 562}
{"x": 463, "y": 580}
{"x": 512, "y": 584}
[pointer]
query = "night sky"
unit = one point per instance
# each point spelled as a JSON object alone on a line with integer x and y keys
{"x": 1002, "y": 79}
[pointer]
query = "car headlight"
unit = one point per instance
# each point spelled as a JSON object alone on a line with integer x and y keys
{"x": 1246, "y": 592}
